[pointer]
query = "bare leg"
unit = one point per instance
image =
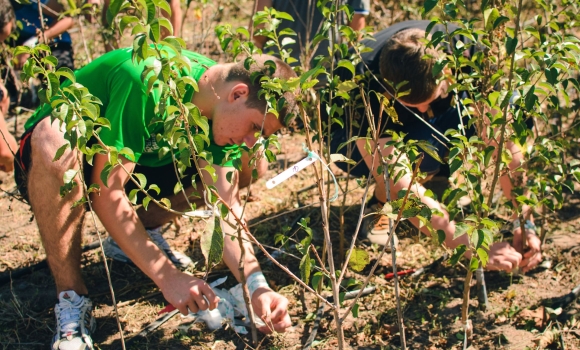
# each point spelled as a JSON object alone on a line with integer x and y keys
{"x": 59, "y": 225}
{"x": 438, "y": 222}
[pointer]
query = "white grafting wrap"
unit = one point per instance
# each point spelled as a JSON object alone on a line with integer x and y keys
{"x": 529, "y": 225}
{"x": 255, "y": 281}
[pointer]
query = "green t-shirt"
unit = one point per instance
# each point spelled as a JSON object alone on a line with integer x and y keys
{"x": 116, "y": 80}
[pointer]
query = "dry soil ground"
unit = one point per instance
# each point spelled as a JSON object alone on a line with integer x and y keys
{"x": 431, "y": 303}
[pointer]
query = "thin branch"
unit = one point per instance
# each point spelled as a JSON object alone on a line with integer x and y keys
{"x": 245, "y": 290}
{"x": 259, "y": 245}
{"x": 391, "y": 231}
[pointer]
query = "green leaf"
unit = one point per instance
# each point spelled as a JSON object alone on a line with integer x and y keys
{"x": 441, "y": 236}
{"x": 411, "y": 209}
{"x": 151, "y": 11}
{"x": 105, "y": 174}
{"x": 304, "y": 224}
{"x": 354, "y": 310}
{"x": 142, "y": 179}
{"x": 455, "y": 164}
{"x": 510, "y": 45}
{"x": 531, "y": 99}
{"x": 165, "y": 202}
{"x": 113, "y": 10}
{"x": 146, "y": 201}
{"x": 489, "y": 18}
{"x": 177, "y": 188}
{"x": 53, "y": 85}
{"x": 94, "y": 188}
{"x": 287, "y": 41}
{"x": 200, "y": 121}
{"x": 346, "y": 64}
{"x": 243, "y": 31}
{"x": 211, "y": 171}
{"x": 430, "y": 150}
{"x": 67, "y": 73}
{"x": 284, "y": 15}
{"x": 125, "y": 21}
{"x": 51, "y": 60}
{"x": 127, "y": 153}
{"x": 163, "y": 4}
{"x": 305, "y": 267}
{"x": 60, "y": 152}
{"x": 212, "y": 242}
{"x": 133, "y": 196}
{"x": 270, "y": 156}
{"x": 439, "y": 66}
{"x": 429, "y": 5}
{"x": 359, "y": 259}
{"x": 155, "y": 30}
{"x": 460, "y": 229}
{"x": 473, "y": 264}
{"x": 80, "y": 202}
{"x": 457, "y": 254}
{"x": 483, "y": 256}
{"x": 346, "y": 86}
{"x": 154, "y": 187}
{"x": 43, "y": 96}
{"x": 317, "y": 278}
{"x": 499, "y": 21}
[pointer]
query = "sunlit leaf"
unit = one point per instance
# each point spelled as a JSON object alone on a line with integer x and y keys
{"x": 212, "y": 242}
{"x": 305, "y": 267}
{"x": 359, "y": 259}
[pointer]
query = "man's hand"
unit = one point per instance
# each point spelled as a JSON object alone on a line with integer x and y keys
{"x": 502, "y": 256}
{"x": 272, "y": 308}
{"x": 533, "y": 256}
{"x": 188, "y": 293}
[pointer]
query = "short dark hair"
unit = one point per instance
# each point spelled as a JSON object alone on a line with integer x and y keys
{"x": 262, "y": 64}
{"x": 402, "y": 59}
{"x": 6, "y": 13}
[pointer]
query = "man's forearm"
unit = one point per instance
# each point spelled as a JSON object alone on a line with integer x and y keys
{"x": 121, "y": 221}
{"x": 58, "y": 28}
{"x": 233, "y": 251}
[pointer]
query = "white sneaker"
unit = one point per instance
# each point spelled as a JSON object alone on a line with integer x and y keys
{"x": 74, "y": 322}
{"x": 113, "y": 251}
{"x": 375, "y": 227}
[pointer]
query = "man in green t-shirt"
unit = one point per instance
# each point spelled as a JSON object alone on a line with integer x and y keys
{"x": 229, "y": 99}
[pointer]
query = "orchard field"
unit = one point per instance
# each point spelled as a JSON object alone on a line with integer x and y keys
{"x": 525, "y": 311}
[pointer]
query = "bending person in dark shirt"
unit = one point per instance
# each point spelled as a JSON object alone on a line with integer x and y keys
{"x": 398, "y": 56}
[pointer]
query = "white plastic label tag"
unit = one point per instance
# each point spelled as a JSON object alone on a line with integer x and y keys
{"x": 288, "y": 173}
{"x": 198, "y": 214}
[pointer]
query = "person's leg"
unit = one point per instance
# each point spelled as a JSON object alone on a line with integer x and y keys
{"x": 59, "y": 224}
{"x": 402, "y": 184}
{"x": 175, "y": 18}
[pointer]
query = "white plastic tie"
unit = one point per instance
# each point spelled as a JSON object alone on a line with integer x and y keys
{"x": 311, "y": 158}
